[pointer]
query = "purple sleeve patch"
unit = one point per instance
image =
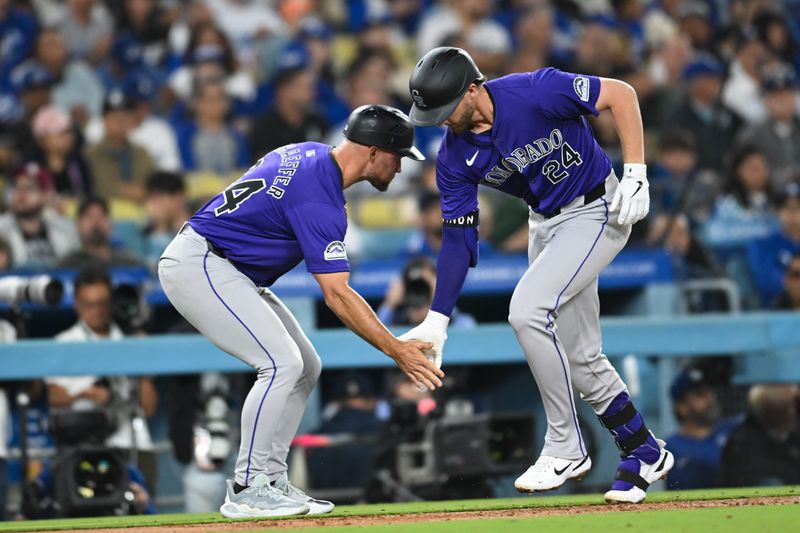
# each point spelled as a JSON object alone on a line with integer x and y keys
{"x": 564, "y": 95}
{"x": 320, "y": 229}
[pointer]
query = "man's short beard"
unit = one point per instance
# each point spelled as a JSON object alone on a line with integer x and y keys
{"x": 381, "y": 186}
{"x": 29, "y": 214}
{"x": 705, "y": 418}
{"x": 464, "y": 121}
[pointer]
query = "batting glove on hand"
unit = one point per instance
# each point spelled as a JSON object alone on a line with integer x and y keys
{"x": 433, "y": 329}
{"x": 632, "y": 195}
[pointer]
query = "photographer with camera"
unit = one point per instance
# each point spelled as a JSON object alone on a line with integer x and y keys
{"x": 21, "y": 402}
{"x": 409, "y": 297}
{"x": 93, "y": 305}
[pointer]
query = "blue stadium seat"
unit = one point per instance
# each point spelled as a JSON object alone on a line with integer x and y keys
{"x": 382, "y": 243}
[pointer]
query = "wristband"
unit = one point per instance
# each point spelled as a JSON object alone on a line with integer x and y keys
{"x": 634, "y": 170}
{"x": 437, "y": 320}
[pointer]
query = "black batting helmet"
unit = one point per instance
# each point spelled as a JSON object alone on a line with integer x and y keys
{"x": 385, "y": 127}
{"x": 438, "y": 82}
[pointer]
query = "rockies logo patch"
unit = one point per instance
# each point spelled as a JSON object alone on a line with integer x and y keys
{"x": 581, "y": 86}
{"x": 335, "y": 251}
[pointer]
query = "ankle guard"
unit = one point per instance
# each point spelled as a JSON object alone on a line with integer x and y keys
{"x": 629, "y": 430}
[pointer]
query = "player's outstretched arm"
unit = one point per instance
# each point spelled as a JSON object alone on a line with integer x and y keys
{"x": 632, "y": 197}
{"x": 357, "y": 315}
{"x": 458, "y": 253}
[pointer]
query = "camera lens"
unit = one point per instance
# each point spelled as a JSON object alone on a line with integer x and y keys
{"x": 53, "y": 292}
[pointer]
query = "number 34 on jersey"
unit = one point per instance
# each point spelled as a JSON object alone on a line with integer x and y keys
{"x": 243, "y": 189}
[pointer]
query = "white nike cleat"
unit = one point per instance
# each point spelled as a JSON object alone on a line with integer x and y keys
{"x": 630, "y": 487}
{"x": 549, "y": 473}
{"x": 290, "y": 491}
{"x": 260, "y": 499}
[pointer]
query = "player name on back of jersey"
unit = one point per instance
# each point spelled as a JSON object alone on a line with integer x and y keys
{"x": 241, "y": 190}
{"x": 290, "y": 159}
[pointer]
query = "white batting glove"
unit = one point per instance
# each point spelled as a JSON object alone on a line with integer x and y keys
{"x": 433, "y": 329}
{"x": 633, "y": 194}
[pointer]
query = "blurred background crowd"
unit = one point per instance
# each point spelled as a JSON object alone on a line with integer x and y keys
{"x": 154, "y": 106}
{"x": 119, "y": 118}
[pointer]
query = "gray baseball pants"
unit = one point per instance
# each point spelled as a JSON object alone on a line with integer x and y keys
{"x": 253, "y": 325}
{"x": 555, "y": 313}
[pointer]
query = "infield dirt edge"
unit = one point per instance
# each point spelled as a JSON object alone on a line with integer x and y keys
{"x": 520, "y": 512}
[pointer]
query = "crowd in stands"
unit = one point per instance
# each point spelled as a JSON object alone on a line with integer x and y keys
{"x": 119, "y": 118}
{"x": 103, "y": 100}
{"x": 759, "y": 447}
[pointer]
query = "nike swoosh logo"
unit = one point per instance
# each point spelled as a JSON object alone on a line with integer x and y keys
{"x": 472, "y": 159}
{"x": 661, "y": 466}
{"x": 639, "y": 188}
{"x": 559, "y": 472}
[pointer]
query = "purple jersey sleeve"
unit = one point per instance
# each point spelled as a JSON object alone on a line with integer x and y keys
{"x": 459, "y": 195}
{"x": 563, "y": 95}
{"x": 459, "y": 252}
{"x": 459, "y": 236}
{"x": 320, "y": 230}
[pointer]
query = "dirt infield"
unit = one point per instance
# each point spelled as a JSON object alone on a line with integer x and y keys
{"x": 528, "y": 512}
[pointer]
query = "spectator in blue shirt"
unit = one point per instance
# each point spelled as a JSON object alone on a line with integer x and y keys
{"x": 77, "y": 89}
{"x": 316, "y": 39}
{"x": 679, "y": 185}
{"x": 292, "y": 117}
{"x": 33, "y": 86}
{"x": 746, "y": 212}
{"x": 698, "y": 443}
{"x": 209, "y": 55}
{"x": 699, "y": 110}
{"x": 769, "y": 257}
{"x": 144, "y": 25}
{"x": 208, "y": 143}
{"x": 17, "y": 35}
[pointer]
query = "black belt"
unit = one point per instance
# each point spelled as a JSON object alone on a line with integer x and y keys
{"x": 214, "y": 249}
{"x": 597, "y": 192}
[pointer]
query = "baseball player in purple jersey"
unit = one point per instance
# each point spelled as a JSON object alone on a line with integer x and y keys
{"x": 287, "y": 208}
{"x": 525, "y": 134}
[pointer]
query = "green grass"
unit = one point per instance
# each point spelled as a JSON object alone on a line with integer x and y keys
{"x": 764, "y": 519}
{"x": 407, "y": 508}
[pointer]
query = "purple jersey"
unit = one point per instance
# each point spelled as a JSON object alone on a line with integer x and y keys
{"x": 540, "y": 147}
{"x": 288, "y": 207}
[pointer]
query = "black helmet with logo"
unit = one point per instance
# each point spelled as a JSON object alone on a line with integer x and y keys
{"x": 385, "y": 127}
{"x": 438, "y": 82}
